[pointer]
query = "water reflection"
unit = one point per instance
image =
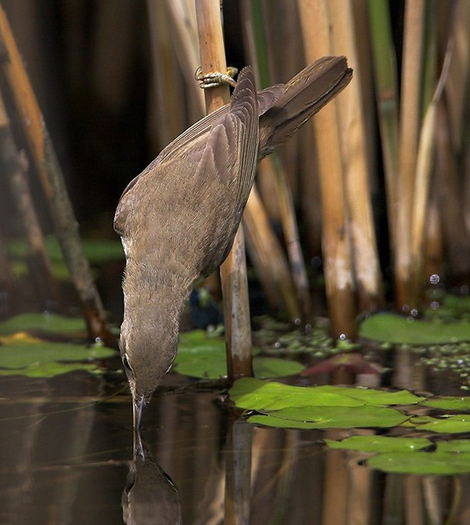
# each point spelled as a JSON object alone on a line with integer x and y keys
{"x": 66, "y": 451}
{"x": 150, "y": 497}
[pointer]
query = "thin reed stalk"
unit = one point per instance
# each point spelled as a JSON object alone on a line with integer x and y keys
{"x": 182, "y": 20}
{"x": 410, "y": 123}
{"x": 385, "y": 72}
{"x": 283, "y": 192}
{"x": 38, "y": 260}
{"x": 52, "y": 180}
{"x": 425, "y": 166}
{"x": 168, "y": 118}
{"x": 7, "y": 282}
{"x": 233, "y": 270}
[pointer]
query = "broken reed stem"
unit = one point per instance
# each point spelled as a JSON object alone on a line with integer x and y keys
{"x": 424, "y": 170}
{"x": 294, "y": 250}
{"x": 268, "y": 258}
{"x": 233, "y": 270}
{"x": 52, "y": 180}
{"x": 37, "y": 257}
{"x": 426, "y": 156}
{"x": 336, "y": 244}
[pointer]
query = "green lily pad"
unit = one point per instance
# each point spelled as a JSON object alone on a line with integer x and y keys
{"x": 266, "y": 367}
{"x": 422, "y": 463}
{"x": 26, "y": 355}
{"x": 373, "y": 443}
{"x": 38, "y": 370}
{"x": 457, "y": 446}
{"x": 47, "y": 323}
{"x": 371, "y": 396}
{"x": 331, "y": 417}
{"x": 449, "y": 425}
{"x": 199, "y": 355}
{"x": 253, "y": 394}
{"x": 449, "y": 403}
{"x": 389, "y": 328}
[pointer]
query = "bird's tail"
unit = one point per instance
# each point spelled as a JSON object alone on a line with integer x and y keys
{"x": 304, "y": 95}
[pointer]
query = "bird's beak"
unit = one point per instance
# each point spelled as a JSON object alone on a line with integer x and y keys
{"x": 138, "y": 409}
{"x": 139, "y": 404}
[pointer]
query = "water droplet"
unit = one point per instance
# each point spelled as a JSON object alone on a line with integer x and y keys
{"x": 434, "y": 279}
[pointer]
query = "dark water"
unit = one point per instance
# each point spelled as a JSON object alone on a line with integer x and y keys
{"x": 66, "y": 458}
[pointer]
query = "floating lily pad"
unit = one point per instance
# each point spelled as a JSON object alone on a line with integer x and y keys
{"x": 373, "y": 443}
{"x": 454, "y": 424}
{"x": 456, "y": 446}
{"x": 374, "y": 397}
{"x": 47, "y": 323}
{"x": 25, "y": 355}
{"x": 449, "y": 403}
{"x": 38, "y": 370}
{"x": 389, "y": 328}
{"x": 204, "y": 357}
{"x": 253, "y": 394}
{"x": 422, "y": 463}
{"x": 331, "y": 417}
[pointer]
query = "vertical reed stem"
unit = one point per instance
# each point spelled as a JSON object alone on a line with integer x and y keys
{"x": 233, "y": 270}
{"x": 336, "y": 243}
{"x": 410, "y": 119}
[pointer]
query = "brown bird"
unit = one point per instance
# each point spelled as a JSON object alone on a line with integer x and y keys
{"x": 178, "y": 218}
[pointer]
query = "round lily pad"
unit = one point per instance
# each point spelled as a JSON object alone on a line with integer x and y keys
{"x": 390, "y": 328}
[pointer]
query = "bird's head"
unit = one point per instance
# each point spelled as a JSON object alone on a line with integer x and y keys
{"x": 147, "y": 354}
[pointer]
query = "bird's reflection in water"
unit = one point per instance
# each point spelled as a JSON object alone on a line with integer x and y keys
{"x": 150, "y": 497}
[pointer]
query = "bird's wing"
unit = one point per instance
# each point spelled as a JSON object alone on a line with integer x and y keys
{"x": 266, "y": 99}
{"x": 229, "y": 159}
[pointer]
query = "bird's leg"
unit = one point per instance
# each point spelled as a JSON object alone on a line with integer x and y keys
{"x": 216, "y": 78}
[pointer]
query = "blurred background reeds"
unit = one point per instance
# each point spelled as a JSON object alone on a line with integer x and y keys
{"x": 367, "y": 207}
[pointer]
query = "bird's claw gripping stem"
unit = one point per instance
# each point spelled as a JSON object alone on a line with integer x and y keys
{"x": 216, "y": 78}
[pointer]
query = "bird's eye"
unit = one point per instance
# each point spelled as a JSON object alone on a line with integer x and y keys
{"x": 127, "y": 366}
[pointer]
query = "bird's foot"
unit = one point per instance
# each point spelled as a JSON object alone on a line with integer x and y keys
{"x": 216, "y": 78}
